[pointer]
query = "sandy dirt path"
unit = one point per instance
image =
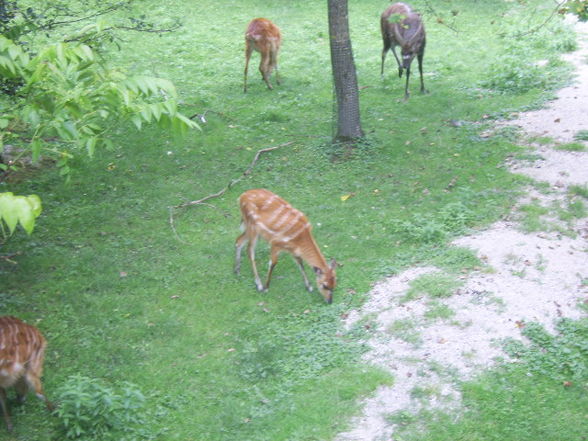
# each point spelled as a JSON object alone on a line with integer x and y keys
{"x": 534, "y": 277}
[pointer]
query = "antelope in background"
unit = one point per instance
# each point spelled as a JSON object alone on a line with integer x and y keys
{"x": 267, "y": 215}
{"x": 263, "y": 36}
{"x": 403, "y": 27}
{"x": 22, "y": 350}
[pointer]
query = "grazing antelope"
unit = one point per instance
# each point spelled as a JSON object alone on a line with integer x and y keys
{"x": 403, "y": 27}
{"x": 22, "y": 349}
{"x": 267, "y": 215}
{"x": 263, "y": 36}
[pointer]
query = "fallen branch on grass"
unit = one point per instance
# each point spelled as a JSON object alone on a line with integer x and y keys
{"x": 223, "y": 190}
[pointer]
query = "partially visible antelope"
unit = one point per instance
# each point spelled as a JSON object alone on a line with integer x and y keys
{"x": 22, "y": 350}
{"x": 265, "y": 214}
{"x": 403, "y": 27}
{"x": 263, "y": 36}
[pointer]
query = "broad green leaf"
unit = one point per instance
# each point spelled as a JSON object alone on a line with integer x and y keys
{"x": 35, "y": 202}
{"x": 91, "y": 145}
{"x": 70, "y": 128}
{"x": 36, "y": 149}
{"x": 7, "y": 212}
{"x": 19, "y": 209}
{"x": 24, "y": 211}
{"x": 136, "y": 119}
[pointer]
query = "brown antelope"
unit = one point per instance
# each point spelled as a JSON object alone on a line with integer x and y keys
{"x": 263, "y": 36}
{"x": 403, "y": 27}
{"x": 22, "y": 349}
{"x": 265, "y": 214}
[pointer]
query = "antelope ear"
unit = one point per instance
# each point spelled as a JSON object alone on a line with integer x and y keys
{"x": 317, "y": 270}
{"x": 333, "y": 264}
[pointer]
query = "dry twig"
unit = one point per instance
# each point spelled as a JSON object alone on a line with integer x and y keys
{"x": 223, "y": 190}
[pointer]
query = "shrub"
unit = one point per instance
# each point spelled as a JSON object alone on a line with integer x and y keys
{"x": 89, "y": 410}
{"x": 562, "y": 357}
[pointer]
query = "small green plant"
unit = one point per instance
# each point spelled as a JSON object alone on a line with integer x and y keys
{"x": 401, "y": 418}
{"x": 581, "y": 135}
{"x": 571, "y": 147}
{"x": 574, "y": 210}
{"x": 89, "y": 410}
{"x": 541, "y": 140}
{"x": 420, "y": 229}
{"x": 531, "y": 217}
{"x": 562, "y": 357}
{"x": 578, "y": 190}
{"x": 577, "y": 7}
{"x": 424, "y": 393}
{"x": 455, "y": 217}
{"x": 436, "y": 310}
{"x": 458, "y": 259}
{"x": 436, "y": 285}
{"x": 405, "y": 330}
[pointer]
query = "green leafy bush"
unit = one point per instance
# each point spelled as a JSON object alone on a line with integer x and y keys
{"x": 434, "y": 285}
{"x": 73, "y": 96}
{"x": 528, "y": 60}
{"x": 452, "y": 219}
{"x": 562, "y": 357}
{"x": 577, "y": 7}
{"x": 89, "y": 410}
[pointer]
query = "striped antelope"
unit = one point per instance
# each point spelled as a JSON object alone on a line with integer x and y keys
{"x": 263, "y": 36}
{"x": 403, "y": 27}
{"x": 267, "y": 215}
{"x": 22, "y": 349}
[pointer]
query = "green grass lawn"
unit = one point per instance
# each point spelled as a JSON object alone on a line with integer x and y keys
{"x": 120, "y": 297}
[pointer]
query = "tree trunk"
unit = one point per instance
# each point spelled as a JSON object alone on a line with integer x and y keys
{"x": 344, "y": 76}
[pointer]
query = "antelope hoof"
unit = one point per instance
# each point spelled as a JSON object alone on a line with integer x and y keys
{"x": 309, "y": 288}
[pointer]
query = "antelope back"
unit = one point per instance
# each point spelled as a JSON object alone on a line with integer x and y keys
{"x": 270, "y": 216}
{"x": 406, "y": 32}
{"x": 263, "y": 35}
{"x": 22, "y": 350}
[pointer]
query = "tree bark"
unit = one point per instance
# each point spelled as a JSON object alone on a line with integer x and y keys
{"x": 344, "y": 75}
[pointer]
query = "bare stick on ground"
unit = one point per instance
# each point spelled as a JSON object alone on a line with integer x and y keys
{"x": 219, "y": 193}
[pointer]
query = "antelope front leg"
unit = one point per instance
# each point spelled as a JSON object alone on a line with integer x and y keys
{"x": 306, "y": 281}
{"x": 406, "y": 92}
{"x": 400, "y": 69}
{"x": 5, "y": 412}
{"x": 420, "y": 60}
{"x": 248, "y": 50}
{"x": 251, "y": 249}
{"x": 239, "y": 243}
{"x": 265, "y": 70}
{"x": 272, "y": 264}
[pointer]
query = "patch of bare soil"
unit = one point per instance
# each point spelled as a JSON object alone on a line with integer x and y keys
{"x": 529, "y": 277}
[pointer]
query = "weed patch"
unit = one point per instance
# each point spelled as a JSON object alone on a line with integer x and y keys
{"x": 436, "y": 285}
{"x": 571, "y": 147}
{"x": 543, "y": 395}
